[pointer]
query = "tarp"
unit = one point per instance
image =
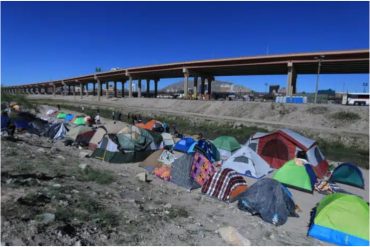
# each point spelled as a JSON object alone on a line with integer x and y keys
{"x": 299, "y": 177}
{"x": 79, "y": 120}
{"x": 83, "y": 139}
{"x": 208, "y": 149}
{"x": 97, "y": 137}
{"x": 168, "y": 140}
{"x": 245, "y": 161}
{"x": 69, "y": 117}
{"x": 269, "y": 199}
{"x": 347, "y": 173}
{"x": 180, "y": 172}
{"x": 341, "y": 219}
{"x": 61, "y": 115}
{"x": 56, "y": 131}
{"x": 152, "y": 161}
{"x": 74, "y": 132}
{"x": 202, "y": 169}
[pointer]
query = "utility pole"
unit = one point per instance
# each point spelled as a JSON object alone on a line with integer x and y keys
{"x": 318, "y": 75}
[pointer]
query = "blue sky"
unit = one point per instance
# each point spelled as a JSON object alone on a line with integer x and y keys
{"x": 54, "y": 40}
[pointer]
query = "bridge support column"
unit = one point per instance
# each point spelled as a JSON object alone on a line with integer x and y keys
{"x": 130, "y": 87}
{"x": 93, "y": 89}
{"x": 139, "y": 88}
{"x": 186, "y": 83}
{"x": 87, "y": 89}
{"x": 81, "y": 90}
{"x": 54, "y": 89}
{"x": 147, "y": 88}
{"x": 115, "y": 89}
{"x": 107, "y": 89}
{"x": 195, "y": 88}
{"x": 202, "y": 86}
{"x": 123, "y": 88}
{"x": 209, "y": 80}
{"x": 156, "y": 87}
{"x": 99, "y": 89}
{"x": 292, "y": 80}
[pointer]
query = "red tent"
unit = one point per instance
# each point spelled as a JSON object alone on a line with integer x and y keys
{"x": 280, "y": 146}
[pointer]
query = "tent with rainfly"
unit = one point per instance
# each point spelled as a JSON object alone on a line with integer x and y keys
{"x": 245, "y": 161}
{"x": 79, "y": 120}
{"x": 56, "y": 131}
{"x": 341, "y": 219}
{"x": 108, "y": 150}
{"x": 185, "y": 145}
{"x": 74, "y": 132}
{"x": 347, "y": 173}
{"x": 226, "y": 145}
{"x": 300, "y": 177}
{"x": 208, "y": 149}
{"x": 280, "y": 146}
{"x": 69, "y": 117}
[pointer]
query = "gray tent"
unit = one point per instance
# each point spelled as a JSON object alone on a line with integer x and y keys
{"x": 269, "y": 199}
{"x": 247, "y": 162}
{"x": 180, "y": 172}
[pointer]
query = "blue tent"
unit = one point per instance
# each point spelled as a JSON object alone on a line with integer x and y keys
{"x": 185, "y": 145}
{"x": 348, "y": 173}
{"x": 4, "y": 121}
{"x": 21, "y": 124}
{"x": 208, "y": 149}
{"x": 69, "y": 117}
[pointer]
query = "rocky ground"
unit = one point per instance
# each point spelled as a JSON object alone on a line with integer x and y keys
{"x": 53, "y": 194}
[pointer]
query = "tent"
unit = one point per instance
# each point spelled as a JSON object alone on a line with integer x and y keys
{"x": 300, "y": 177}
{"x": 167, "y": 140}
{"x": 208, "y": 149}
{"x": 341, "y": 219}
{"x": 61, "y": 115}
{"x": 107, "y": 150}
{"x": 69, "y": 117}
{"x": 153, "y": 125}
{"x": 74, "y": 132}
{"x": 245, "y": 161}
{"x": 51, "y": 112}
{"x": 96, "y": 138}
{"x": 180, "y": 172}
{"x": 226, "y": 145}
{"x": 38, "y": 126}
{"x": 348, "y": 173}
{"x": 269, "y": 199}
{"x": 202, "y": 169}
{"x": 222, "y": 184}
{"x": 57, "y": 131}
{"x": 84, "y": 138}
{"x": 280, "y": 146}
{"x": 79, "y": 120}
{"x": 133, "y": 138}
{"x": 185, "y": 145}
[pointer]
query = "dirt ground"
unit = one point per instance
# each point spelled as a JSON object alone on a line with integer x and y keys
{"x": 348, "y": 125}
{"x": 53, "y": 194}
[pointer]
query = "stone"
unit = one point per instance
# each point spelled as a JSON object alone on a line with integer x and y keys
{"x": 40, "y": 150}
{"x": 168, "y": 205}
{"x": 46, "y": 217}
{"x": 56, "y": 185}
{"x": 233, "y": 237}
{"x": 60, "y": 157}
{"x": 75, "y": 191}
{"x": 143, "y": 176}
{"x": 83, "y": 166}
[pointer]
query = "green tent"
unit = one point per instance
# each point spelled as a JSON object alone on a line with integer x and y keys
{"x": 61, "y": 115}
{"x": 79, "y": 121}
{"x": 296, "y": 176}
{"x": 342, "y": 219}
{"x": 227, "y": 143}
{"x": 348, "y": 173}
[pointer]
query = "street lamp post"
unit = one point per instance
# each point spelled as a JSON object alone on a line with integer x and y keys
{"x": 318, "y": 75}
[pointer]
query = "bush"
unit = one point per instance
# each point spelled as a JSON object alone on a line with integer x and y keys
{"x": 345, "y": 116}
{"x": 317, "y": 110}
{"x": 99, "y": 176}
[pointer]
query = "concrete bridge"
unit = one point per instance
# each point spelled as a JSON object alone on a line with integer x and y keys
{"x": 331, "y": 62}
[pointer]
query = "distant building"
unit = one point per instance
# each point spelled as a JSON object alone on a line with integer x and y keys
{"x": 326, "y": 92}
{"x": 274, "y": 89}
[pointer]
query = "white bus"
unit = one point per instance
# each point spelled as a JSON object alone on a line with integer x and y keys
{"x": 355, "y": 99}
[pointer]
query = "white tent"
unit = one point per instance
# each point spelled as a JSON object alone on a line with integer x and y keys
{"x": 247, "y": 162}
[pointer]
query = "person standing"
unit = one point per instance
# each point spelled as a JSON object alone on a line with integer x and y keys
{"x": 119, "y": 116}
{"x": 113, "y": 115}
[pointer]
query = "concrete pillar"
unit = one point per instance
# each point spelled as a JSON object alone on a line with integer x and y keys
{"x": 87, "y": 89}
{"x": 147, "y": 87}
{"x": 156, "y": 88}
{"x": 94, "y": 93}
{"x": 123, "y": 89}
{"x": 81, "y": 90}
{"x": 202, "y": 85}
{"x": 130, "y": 87}
{"x": 54, "y": 89}
{"x": 99, "y": 89}
{"x": 186, "y": 84}
{"x": 209, "y": 80}
{"x": 107, "y": 89}
{"x": 139, "y": 88}
{"x": 195, "y": 88}
{"x": 292, "y": 80}
{"x": 115, "y": 89}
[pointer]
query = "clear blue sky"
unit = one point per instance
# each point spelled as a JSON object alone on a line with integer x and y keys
{"x": 54, "y": 40}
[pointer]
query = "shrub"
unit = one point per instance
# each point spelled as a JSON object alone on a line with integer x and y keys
{"x": 345, "y": 116}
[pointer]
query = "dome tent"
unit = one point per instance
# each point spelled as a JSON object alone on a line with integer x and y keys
{"x": 226, "y": 145}
{"x": 185, "y": 145}
{"x": 299, "y": 177}
{"x": 347, "y": 173}
{"x": 341, "y": 219}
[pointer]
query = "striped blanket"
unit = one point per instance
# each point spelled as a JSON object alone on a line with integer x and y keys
{"x": 222, "y": 183}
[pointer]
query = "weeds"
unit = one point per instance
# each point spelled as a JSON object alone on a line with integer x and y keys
{"x": 98, "y": 176}
{"x": 317, "y": 110}
{"x": 345, "y": 116}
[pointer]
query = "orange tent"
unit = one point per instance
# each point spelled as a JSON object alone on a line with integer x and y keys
{"x": 150, "y": 125}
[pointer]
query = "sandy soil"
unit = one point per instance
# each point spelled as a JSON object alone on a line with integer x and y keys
{"x": 314, "y": 120}
{"x": 125, "y": 211}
